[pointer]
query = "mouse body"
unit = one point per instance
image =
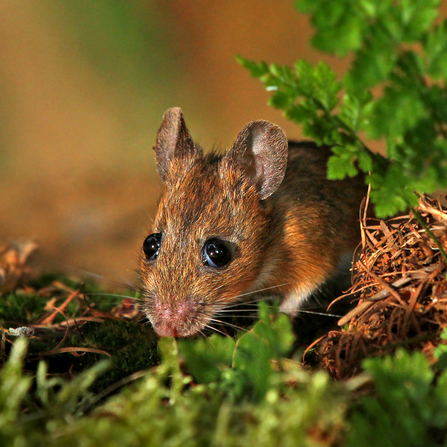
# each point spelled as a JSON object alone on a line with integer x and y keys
{"x": 263, "y": 215}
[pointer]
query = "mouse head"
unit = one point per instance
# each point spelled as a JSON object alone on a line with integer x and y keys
{"x": 206, "y": 246}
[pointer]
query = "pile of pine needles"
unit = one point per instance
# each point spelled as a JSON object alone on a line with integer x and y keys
{"x": 400, "y": 283}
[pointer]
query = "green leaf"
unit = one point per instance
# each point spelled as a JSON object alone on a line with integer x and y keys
{"x": 13, "y": 384}
{"x": 374, "y": 9}
{"x": 352, "y": 109}
{"x": 305, "y": 77}
{"x": 440, "y": 352}
{"x": 73, "y": 395}
{"x": 402, "y": 376}
{"x": 435, "y": 99}
{"x": 439, "y": 413}
{"x": 372, "y": 63}
{"x": 170, "y": 367}
{"x": 435, "y": 46}
{"x": 256, "y": 70}
{"x": 398, "y": 110}
{"x": 281, "y": 100}
{"x": 326, "y": 86}
{"x": 341, "y": 164}
{"x": 417, "y": 17}
{"x": 404, "y": 405}
{"x": 391, "y": 192}
{"x": 365, "y": 161}
{"x": 207, "y": 358}
{"x": 270, "y": 339}
{"x": 339, "y": 24}
{"x": 46, "y": 386}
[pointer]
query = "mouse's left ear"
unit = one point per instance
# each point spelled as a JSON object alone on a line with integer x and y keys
{"x": 261, "y": 150}
{"x": 173, "y": 140}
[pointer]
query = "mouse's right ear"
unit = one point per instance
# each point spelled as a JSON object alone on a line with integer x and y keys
{"x": 261, "y": 150}
{"x": 173, "y": 140}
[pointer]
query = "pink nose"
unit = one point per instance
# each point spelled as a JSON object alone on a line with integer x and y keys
{"x": 164, "y": 330}
{"x": 173, "y": 319}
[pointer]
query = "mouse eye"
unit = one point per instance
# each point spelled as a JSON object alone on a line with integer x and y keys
{"x": 151, "y": 246}
{"x": 216, "y": 253}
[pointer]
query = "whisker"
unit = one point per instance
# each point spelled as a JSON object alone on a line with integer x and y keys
{"x": 241, "y": 312}
{"x": 253, "y": 303}
{"x": 264, "y": 289}
{"x": 236, "y": 297}
{"x": 219, "y": 287}
{"x": 224, "y": 323}
{"x": 127, "y": 282}
{"x": 312, "y": 312}
{"x": 253, "y": 306}
{"x": 207, "y": 326}
{"x": 237, "y": 313}
{"x": 206, "y": 338}
{"x": 112, "y": 295}
{"x": 141, "y": 320}
{"x": 83, "y": 274}
{"x": 245, "y": 317}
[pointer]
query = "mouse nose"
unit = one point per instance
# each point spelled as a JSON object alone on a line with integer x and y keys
{"x": 174, "y": 318}
{"x": 164, "y": 330}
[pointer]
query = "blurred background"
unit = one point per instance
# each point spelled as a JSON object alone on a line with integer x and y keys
{"x": 84, "y": 85}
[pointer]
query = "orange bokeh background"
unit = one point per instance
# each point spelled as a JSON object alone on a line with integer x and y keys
{"x": 83, "y": 93}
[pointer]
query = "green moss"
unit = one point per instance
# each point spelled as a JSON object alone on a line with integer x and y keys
{"x": 21, "y": 308}
{"x": 130, "y": 345}
{"x": 71, "y": 401}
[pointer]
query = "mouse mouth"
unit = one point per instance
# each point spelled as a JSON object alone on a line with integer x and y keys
{"x": 177, "y": 318}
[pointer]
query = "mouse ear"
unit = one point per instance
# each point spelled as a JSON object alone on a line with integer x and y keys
{"x": 173, "y": 140}
{"x": 261, "y": 149}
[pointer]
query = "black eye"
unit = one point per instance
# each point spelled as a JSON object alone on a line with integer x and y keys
{"x": 151, "y": 246}
{"x": 216, "y": 253}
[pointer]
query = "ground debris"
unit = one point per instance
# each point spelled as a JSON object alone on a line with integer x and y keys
{"x": 13, "y": 264}
{"x": 400, "y": 283}
{"x": 58, "y": 316}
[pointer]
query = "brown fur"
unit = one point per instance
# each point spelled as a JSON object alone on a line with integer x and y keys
{"x": 292, "y": 239}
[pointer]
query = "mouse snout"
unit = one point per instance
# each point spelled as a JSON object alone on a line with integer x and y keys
{"x": 175, "y": 318}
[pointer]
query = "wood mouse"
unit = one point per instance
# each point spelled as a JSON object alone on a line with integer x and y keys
{"x": 262, "y": 215}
